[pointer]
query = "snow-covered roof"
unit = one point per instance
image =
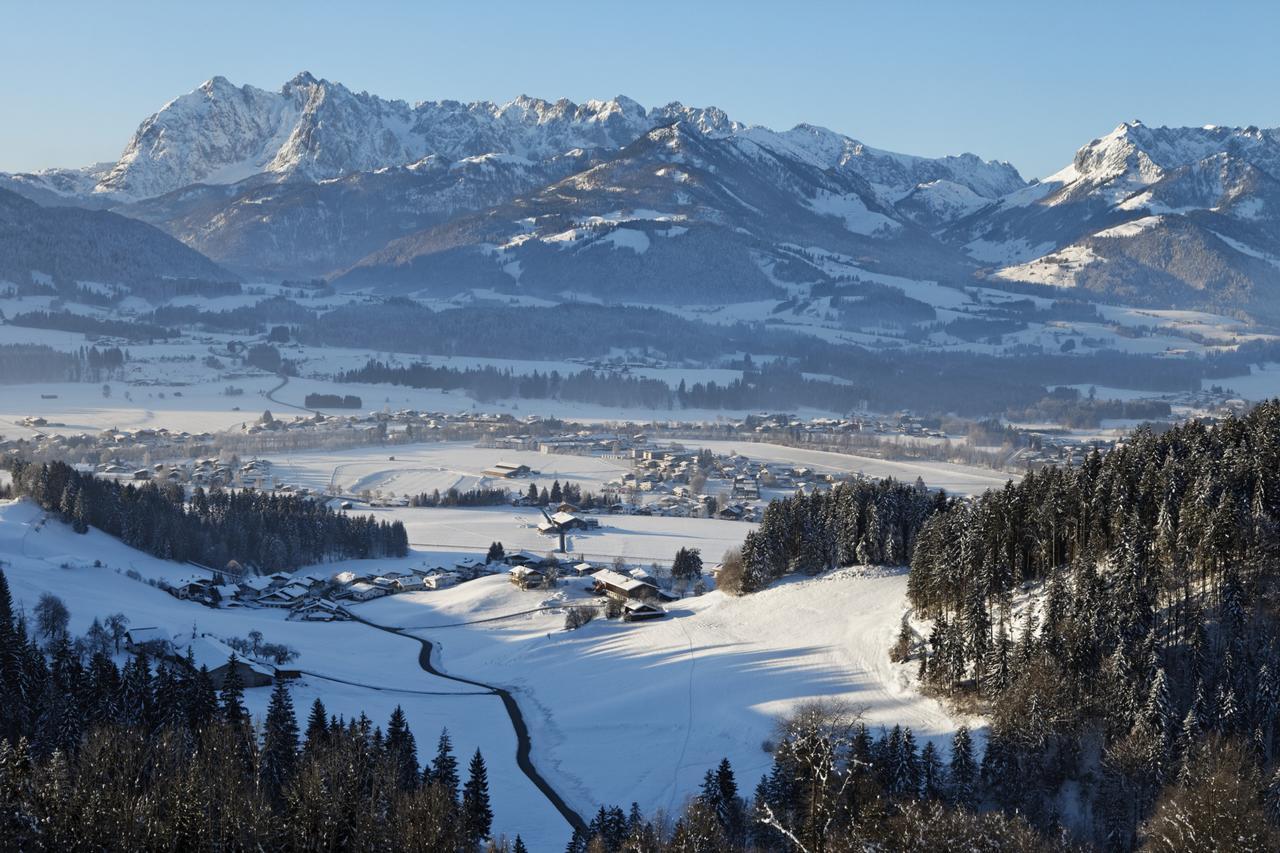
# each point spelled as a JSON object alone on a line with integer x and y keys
{"x": 213, "y": 653}
{"x": 147, "y": 635}
{"x": 622, "y": 582}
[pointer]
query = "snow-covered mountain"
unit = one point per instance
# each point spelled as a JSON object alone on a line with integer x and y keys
{"x": 316, "y": 129}
{"x": 311, "y": 179}
{"x": 318, "y": 180}
{"x": 1181, "y": 216}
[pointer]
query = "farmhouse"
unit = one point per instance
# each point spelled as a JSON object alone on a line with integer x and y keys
{"x": 319, "y": 610}
{"x": 285, "y": 596}
{"x": 623, "y": 587}
{"x": 361, "y": 591}
{"x": 439, "y": 579}
{"x": 506, "y": 471}
{"x": 527, "y": 578}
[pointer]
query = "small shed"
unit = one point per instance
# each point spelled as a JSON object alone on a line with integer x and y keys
{"x": 641, "y": 611}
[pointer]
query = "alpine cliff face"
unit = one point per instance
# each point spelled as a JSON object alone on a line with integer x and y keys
{"x": 607, "y": 199}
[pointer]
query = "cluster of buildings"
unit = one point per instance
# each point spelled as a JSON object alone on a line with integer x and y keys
{"x": 320, "y": 595}
{"x": 634, "y": 593}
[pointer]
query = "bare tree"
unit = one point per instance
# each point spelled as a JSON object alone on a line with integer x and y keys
{"x": 52, "y": 616}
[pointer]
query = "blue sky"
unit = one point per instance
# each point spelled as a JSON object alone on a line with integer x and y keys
{"x": 1025, "y": 82}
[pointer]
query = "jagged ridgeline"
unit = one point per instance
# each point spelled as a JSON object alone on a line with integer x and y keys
{"x": 265, "y": 531}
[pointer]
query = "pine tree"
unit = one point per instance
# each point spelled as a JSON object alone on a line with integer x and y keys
{"x": 232, "y": 694}
{"x": 444, "y": 768}
{"x": 279, "y": 742}
{"x": 577, "y": 843}
{"x": 963, "y": 770}
{"x": 317, "y": 726}
{"x": 477, "y": 816}
{"x": 519, "y": 847}
{"x": 403, "y": 750}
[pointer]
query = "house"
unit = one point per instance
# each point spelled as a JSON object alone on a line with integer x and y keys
{"x": 439, "y": 579}
{"x": 216, "y": 656}
{"x": 468, "y": 569}
{"x": 285, "y": 596}
{"x": 361, "y": 591}
{"x": 153, "y": 641}
{"x": 569, "y": 521}
{"x": 623, "y": 587}
{"x": 523, "y": 558}
{"x": 527, "y": 578}
{"x": 643, "y": 576}
{"x": 189, "y": 588}
{"x": 583, "y": 569}
{"x": 319, "y": 610}
{"x": 409, "y": 583}
{"x": 506, "y": 471}
{"x": 733, "y": 512}
{"x": 254, "y": 586}
{"x": 641, "y": 611}
{"x": 225, "y": 592}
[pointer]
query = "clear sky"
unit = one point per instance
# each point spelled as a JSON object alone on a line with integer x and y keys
{"x": 1028, "y": 82}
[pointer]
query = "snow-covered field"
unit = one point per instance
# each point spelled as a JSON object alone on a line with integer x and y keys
{"x": 621, "y": 712}
{"x": 956, "y": 479}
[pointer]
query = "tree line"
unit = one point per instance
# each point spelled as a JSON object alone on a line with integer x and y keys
{"x": 857, "y": 521}
{"x": 23, "y": 363}
{"x": 266, "y": 531}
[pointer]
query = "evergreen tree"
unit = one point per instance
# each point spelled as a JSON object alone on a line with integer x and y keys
{"x": 963, "y": 770}
{"x": 317, "y": 726}
{"x": 402, "y": 749}
{"x": 279, "y": 742}
{"x": 477, "y": 816}
{"x": 231, "y": 696}
{"x": 444, "y": 768}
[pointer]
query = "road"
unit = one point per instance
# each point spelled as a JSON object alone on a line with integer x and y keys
{"x": 524, "y": 745}
{"x": 284, "y": 380}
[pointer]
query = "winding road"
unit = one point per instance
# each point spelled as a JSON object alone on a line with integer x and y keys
{"x": 523, "y": 743}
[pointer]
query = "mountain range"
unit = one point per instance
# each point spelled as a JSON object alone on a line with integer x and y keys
{"x": 609, "y": 200}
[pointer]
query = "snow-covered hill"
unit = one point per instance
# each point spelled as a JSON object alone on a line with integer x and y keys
{"x": 71, "y": 244}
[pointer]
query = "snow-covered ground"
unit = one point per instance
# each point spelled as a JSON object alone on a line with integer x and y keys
{"x": 956, "y": 479}
{"x": 617, "y": 712}
{"x": 621, "y": 712}
{"x": 34, "y": 552}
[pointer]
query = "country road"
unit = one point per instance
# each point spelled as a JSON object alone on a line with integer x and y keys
{"x": 524, "y": 744}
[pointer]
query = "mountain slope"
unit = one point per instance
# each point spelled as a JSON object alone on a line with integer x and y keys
{"x": 81, "y": 245}
{"x": 677, "y": 216}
